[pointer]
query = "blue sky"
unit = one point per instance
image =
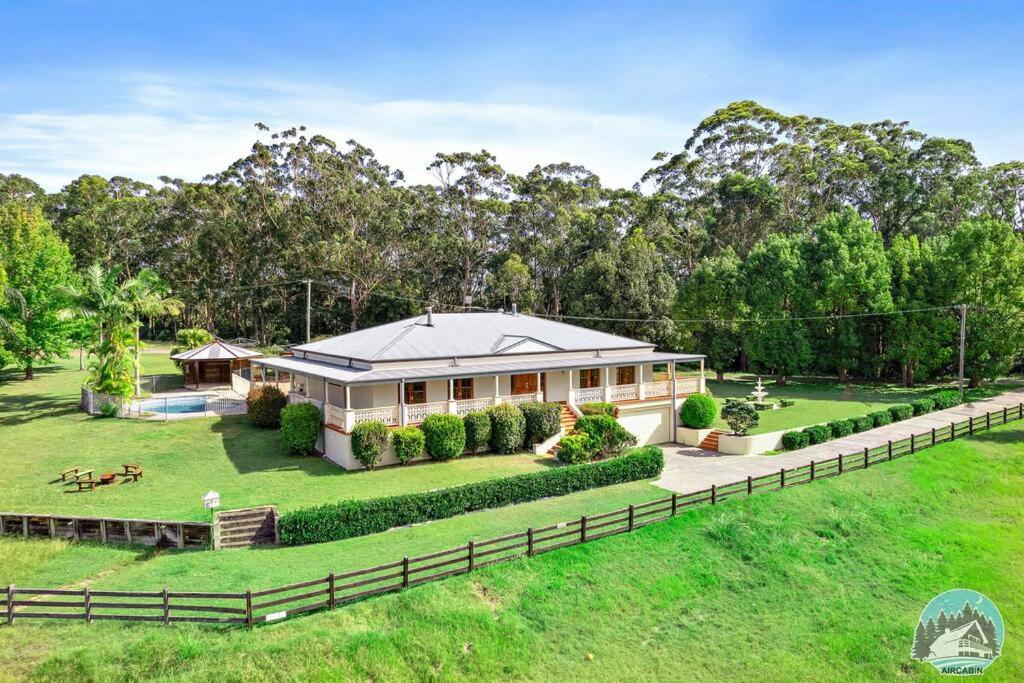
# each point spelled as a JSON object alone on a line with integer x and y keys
{"x": 147, "y": 89}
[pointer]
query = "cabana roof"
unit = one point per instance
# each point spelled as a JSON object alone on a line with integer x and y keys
{"x": 216, "y": 350}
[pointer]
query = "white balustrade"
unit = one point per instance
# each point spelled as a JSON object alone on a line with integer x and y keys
{"x": 625, "y": 392}
{"x": 519, "y": 398}
{"x": 591, "y": 395}
{"x": 465, "y": 406}
{"x": 687, "y": 385}
{"x": 334, "y": 415}
{"x": 657, "y": 389}
{"x": 387, "y": 414}
{"x": 418, "y": 412}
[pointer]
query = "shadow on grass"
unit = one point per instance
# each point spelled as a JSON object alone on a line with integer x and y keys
{"x": 1008, "y": 436}
{"x": 260, "y": 450}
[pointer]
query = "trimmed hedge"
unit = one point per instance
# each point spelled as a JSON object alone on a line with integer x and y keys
{"x": 445, "y": 436}
{"x": 478, "y": 430}
{"x": 922, "y": 406}
{"x": 369, "y": 439}
{"x": 300, "y": 428}
{"x": 264, "y": 404}
{"x": 818, "y": 433}
{"x": 880, "y": 418}
{"x": 787, "y": 402}
{"x": 947, "y": 398}
{"x": 901, "y": 411}
{"x": 577, "y": 448}
{"x": 337, "y": 521}
{"x": 508, "y": 428}
{"x": 863, "y": 423}
{"x": 791, "y": 441}
{"x": 599, "y": 409}
{"x": 410, "y": 443}
{"x": 543, "y": 420}
{"x": 841, "y": 428}
{"x": 698, "y": 411}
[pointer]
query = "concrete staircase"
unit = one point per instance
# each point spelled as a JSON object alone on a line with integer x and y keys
{"x": 246, "y": 528}
{"x": 710, "y": 442}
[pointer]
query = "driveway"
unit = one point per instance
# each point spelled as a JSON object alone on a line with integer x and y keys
{"x": 689, "y": 469}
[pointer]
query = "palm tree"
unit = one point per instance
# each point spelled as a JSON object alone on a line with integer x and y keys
{"x": 148, "y": 297}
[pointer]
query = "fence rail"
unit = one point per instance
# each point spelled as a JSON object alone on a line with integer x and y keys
{"x": 330, "y": 591}
{"x": 108, "y": 530}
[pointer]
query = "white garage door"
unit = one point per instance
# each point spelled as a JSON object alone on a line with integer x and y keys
{"x": 651, "y": 425}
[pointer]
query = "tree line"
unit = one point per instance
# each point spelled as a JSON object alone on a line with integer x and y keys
{"x": 752, "y": 244}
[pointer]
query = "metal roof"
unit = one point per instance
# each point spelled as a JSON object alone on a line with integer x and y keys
{"x": 349, "y": 375}
{"x": 465, "y": 335}
{"x": 216, "y": 350}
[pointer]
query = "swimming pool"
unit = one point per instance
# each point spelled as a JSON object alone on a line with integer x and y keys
{"x": 174, "y": 406}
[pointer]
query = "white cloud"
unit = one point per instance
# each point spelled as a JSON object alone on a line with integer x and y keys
{"x": 156, "y": 125}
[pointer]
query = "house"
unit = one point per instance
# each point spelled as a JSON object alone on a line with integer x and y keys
{"x": 213, "y": 363}
{"x": 965, "y": 641}
{"x": 456, "y": 363}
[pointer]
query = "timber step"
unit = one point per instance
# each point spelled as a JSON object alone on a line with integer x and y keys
{"x": 710, "y": 442}
{"x": 566, "y": 420}
{"x": 246, "y": 528}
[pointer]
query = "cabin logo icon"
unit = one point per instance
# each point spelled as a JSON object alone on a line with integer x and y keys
{"x": 960, "y": 633}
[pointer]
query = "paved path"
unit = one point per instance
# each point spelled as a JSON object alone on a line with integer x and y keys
{"x": 689, "y": 469}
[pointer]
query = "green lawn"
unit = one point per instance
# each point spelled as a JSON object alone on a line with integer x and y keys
{"x": 44, "y": 432}
{"x": 825, "y": 580}
{"x": 823, "y": 400}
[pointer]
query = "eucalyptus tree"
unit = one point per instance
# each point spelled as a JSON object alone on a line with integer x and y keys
{"x": 1004, "y": 193}
{"x": 714, "y": 294}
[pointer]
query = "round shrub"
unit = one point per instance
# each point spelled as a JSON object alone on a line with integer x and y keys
{"x": 740, "y": 415}
{"x": 863, "y": 423}
{"x": 607, "y": 435}
{"x": 818, "y": 433}
{"x": 576, "y": 448}
{"x": 787, "y": 402}
{"x": 445, "y": 436}
{"x": 901, "y": 411}
{"x": 409, "y": 443}
{"x": 369, "y": 439}
{"x": 880, "y": 418}
{"x": 599, "y": 409}
{"x": 300, "y": 427}
{"x": 478, "y": 430}
{"x": 922, "y": 406}
{"x": 264, "y": 406}
{"x": 791, "y": 441}
{"x": 508, "y": 428}
{"x": 543, "y": 420}
{"x": 947, "y": 398}
{"x": 841, "y": 428}
{"x": 698, "y": 411}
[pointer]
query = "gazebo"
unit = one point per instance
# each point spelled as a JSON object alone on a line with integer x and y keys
{"x": 213, "y": 363}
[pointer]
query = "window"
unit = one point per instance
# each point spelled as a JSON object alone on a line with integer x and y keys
{"x": 524, "y": 384}
{"x": 463, "y": 389}
{"x": 415, "y": 392}
{"x": 625, "y": 375}
{"x": 590, "y": 377}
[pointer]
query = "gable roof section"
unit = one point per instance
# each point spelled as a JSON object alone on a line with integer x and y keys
{"x": 466, "y": 335}
{"x": 216, "y": 350}
{"x": 958, "y": 633}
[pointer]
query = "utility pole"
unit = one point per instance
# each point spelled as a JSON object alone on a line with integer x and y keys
{"x": 963, "y": 336}
{"x": 309, "y": 287}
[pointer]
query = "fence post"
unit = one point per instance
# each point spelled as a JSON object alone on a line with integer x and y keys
{"x": 714, "y": 494}
{"x": 167, "y": 607}
{"x": 840, "y": 463}
{"x": 889, "y": 448}
{"x": 912, "y": 448}
{"x": 952, "y": 431}
{"x": 248, "y": 608}
{"x": 330, "y": 591}
{"x": 812, "y": 470}
{"x": 750, "y": 485}
{"x": 469, "y": 560}
{"x": 865, "y": 457}
{"x": 675, "y": 504}
{"x": 583, "y": 529}
{"x": 405, "y": 572}
{"x": 782, "y": 477}
{"x": 87, "y": 598}
{"x": 1004, "y": 415}
{"x": 933, "y": 436}
{"x": 988, "y": 420}
{"x": 970, "y": 426}
{"x": 10, "y": 604}
{"x": 529, "y": 542}
{"x": 630, "y": 517}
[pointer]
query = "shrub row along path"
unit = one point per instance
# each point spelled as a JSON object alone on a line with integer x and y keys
{"x": 690, "y": 469}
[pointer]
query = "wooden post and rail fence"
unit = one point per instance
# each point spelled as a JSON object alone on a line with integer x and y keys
{"x": 335, "y": 589}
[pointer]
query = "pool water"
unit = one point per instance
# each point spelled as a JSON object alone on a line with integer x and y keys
{"x": 174, "y": 406}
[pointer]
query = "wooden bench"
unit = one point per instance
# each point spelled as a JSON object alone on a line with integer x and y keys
{"x": 132, "y": 471}
{"x": 64, "y": 474}
{"x": 129, "y": 468}
{"x": 87, "y": 484}
{"x": 83, "y": 474}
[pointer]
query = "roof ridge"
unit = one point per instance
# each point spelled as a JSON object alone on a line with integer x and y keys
{"x": 398, "y": 337}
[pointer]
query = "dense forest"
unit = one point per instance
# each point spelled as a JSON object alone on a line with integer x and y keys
{"x": 764, "y": 242}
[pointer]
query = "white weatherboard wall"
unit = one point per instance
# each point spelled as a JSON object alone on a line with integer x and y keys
{"x": 339, "y": 451}
{"x": 649, "y": 423}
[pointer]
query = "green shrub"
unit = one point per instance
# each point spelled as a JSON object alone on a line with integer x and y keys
{"x": 576, "y": 448}
{"x": 543, "y": 420}
{"x": 841, "y": 428}
{"x": 300, "y": 428}
{"x": 791, "y": 441}
{"x": 109, "y": 409}
{"x": 740, "y": 416}
{"x": 445, "y": 436}
{"x": 698, "y": 411}
{"x": 369, "y": 439}
{"x": 478, "y": 430}
{"x": 901, "y": 411}
{"x": 409, "y": 443}
{"x": 947, "y": 398}
{"x": 922, "y": 406}
{"x": 863, "y": 423}
{"x": 508, "y": 428}
{"x": 599, "y": 409}
{"x": 608, "y": 436}
{"x": 818, "y": 433}
{"x": 787, "y": 402}
{"x": 880, "y": 418}
{"x": 264, "y": 406}
{"x": 336, "y": 521}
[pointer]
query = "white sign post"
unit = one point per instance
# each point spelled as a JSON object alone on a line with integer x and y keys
{"x": 211, "y": 500}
